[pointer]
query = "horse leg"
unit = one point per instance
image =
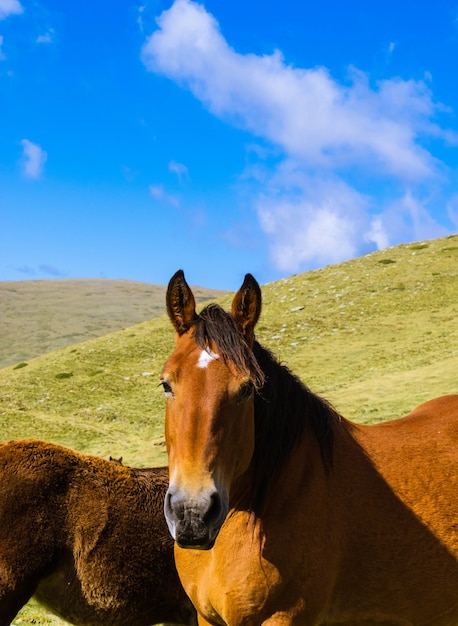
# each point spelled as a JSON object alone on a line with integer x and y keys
{"x": 12, "y": 601}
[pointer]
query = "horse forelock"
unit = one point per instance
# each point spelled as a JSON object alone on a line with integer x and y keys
{"x": 216, "y": 327}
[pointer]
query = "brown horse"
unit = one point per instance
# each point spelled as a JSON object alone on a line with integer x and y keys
{"x": 87, "y": 537}
{"x": 285, "y": 513}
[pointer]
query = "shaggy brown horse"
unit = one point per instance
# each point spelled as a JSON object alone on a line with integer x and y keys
{"x": 87, "y": 537}
{"x": 285, "y": 513}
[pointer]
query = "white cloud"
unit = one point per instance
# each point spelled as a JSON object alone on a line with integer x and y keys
{"x": 305, "y": 111}
{"x": 318, "y": 222}
{"x": 141, "y": 10}
{"x": 47, "y": 37}
{"x": 423, "y": 225}
{"x": 179, "y": 169}
{"x": 43, "y": 269}
{"x": 324, "y": 131}
{"x": 159, "y": 193}
{"x": 452, "y": 210}
{"x": 10, "y": 7}
{"x": 33, "y": 159}
{"x": 26, "y": 270}
{"x": 405, "y": 218}
{"x": 51, "y": 270}
{"x": 377, "y": 234}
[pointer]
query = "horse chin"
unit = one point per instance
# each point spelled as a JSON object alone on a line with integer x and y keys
{"x": 195, "y": 538}
{"x": 186, "y": 546}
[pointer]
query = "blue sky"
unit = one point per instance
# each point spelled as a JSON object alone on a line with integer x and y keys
{"x": 222, "y": 137}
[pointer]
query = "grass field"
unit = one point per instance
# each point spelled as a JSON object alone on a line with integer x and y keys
{"x": 376, "y": 336}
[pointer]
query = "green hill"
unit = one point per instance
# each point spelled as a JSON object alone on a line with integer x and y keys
{"x": 376, "y": 335}
{"x": 40, "y": 316}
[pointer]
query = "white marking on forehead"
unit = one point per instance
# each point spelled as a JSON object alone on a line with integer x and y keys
{"x": 206, "y": 357}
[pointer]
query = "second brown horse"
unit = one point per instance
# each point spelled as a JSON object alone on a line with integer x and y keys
{"x": 87, "y": 537}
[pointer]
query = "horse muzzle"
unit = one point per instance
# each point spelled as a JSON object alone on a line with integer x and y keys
{"x": 194, "y": 522}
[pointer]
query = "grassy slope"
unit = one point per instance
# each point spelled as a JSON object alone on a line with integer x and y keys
{"x": 376, "y": 335}
{"x": 40, "y": 316}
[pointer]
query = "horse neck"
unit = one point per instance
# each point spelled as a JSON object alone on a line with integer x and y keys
{"x": 288, "y": 418}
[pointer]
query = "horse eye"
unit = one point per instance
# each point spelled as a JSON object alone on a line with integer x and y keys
{"x": 167, "y": 389}
{"x": 245, "y": 391}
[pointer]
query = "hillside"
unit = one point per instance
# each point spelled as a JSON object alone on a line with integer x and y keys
{"x": 40, "y": 316}
{"x": 376, "y": 336}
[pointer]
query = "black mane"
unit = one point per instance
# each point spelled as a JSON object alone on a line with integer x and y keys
{"x": 284, "y": 405}
{"x": 284, "y": 408}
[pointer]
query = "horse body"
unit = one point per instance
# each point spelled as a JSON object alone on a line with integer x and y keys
{"x": 354, "y": 546}
{"x": 86, "y": 537}
{"x": 326, "y": 522}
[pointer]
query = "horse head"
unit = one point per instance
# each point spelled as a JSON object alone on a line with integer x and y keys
{"x": 209, "y": 382}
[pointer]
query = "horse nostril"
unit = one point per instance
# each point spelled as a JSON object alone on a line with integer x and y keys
{"x": 173, "y": 506}
{"x": 168, "y": 502}
{"x": 214, "y": 510}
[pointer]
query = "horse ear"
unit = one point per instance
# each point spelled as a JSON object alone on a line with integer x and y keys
{"x": 181, "y": 306}
{"x": 246, "y": 307}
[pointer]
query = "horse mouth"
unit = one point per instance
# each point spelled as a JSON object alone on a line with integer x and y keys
{"x": 195, "y": 523}
{"x": 195, "y": 546}
{"x": 195, "y": 537}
